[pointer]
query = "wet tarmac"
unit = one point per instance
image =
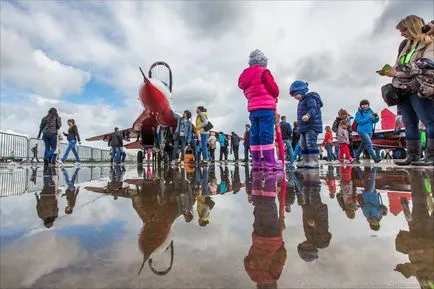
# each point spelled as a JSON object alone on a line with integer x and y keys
{"x": 221, "y": 226}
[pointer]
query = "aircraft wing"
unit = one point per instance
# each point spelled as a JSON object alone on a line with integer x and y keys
{"x": 126, "y": 133}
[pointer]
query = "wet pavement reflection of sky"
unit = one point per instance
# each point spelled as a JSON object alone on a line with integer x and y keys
{"x": 218, "y": 226}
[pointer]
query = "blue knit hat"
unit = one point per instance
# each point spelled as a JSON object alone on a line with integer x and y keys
{"x": 298, "y": 87}
{"x": 257, "y": 57}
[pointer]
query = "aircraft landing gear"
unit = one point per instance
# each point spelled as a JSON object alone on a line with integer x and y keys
{"x": 163, "y": 155}
{"x": 140, "y": 157}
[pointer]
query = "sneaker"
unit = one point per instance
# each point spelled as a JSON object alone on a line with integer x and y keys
{"x": 77, "y": 164}
{"x": 377, "y": 160}
{"x": 173, "y": 163}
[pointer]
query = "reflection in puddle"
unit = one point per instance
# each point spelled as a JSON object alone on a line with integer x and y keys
{"x": 285, "y": 226}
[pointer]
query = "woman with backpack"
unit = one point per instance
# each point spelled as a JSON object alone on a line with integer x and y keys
{"x": 224, "y": 143}
{"x": 412, "y": 105}
{"x": 48, "y": 128}
{"x": 366, "y": 119}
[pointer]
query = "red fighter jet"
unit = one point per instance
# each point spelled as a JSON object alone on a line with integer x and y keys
{"x": 157, "y": 120}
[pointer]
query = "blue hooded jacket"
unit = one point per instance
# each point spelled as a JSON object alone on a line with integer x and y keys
{"x": 365, "y": 121}
{"x": 372, "y": 205}
{"x": 311, "y": 105}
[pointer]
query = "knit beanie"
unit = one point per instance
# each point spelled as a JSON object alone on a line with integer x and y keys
{"x": 257, "y": 57}
{"x": 298, "y": 87}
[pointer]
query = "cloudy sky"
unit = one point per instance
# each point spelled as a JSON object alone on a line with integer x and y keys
{"x": 83, "y": 57}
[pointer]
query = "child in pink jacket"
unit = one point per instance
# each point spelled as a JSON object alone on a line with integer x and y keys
{"x": 261, "y": 92}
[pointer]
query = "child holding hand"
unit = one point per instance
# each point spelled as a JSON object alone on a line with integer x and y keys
{"x": 344, "y": 141}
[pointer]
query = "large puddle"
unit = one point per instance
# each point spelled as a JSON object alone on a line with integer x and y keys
{"x": 218, "y": 226}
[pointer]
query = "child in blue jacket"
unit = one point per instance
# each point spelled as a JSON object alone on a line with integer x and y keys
{"x": 309, "y": 122}
{"x": 365, "y": 119}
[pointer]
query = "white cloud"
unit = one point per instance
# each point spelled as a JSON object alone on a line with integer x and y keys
{"x": 25, "y": 67}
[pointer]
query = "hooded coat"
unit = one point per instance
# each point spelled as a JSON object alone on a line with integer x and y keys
{"x": 310, "y": 105}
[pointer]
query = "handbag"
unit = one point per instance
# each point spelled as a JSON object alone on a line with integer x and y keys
{"x": 391, "y": 95}
{"x": 208, "y": 126}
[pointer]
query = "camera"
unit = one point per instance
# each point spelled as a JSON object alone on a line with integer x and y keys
{"x": 375, "y": 115}
{"x": 426, "y": 27}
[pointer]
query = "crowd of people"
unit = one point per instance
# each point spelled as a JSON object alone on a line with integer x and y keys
{"x": 411, "y": 89}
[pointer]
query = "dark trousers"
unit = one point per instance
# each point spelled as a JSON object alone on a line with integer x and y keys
{"x": 35, "y": 156}
{"x": 212, "y": 154}
{"x": 50, "y": 141}
{"x": 223, "y": 151}
{"x": 236, "y": 151}
{"x": 246, "y": 153}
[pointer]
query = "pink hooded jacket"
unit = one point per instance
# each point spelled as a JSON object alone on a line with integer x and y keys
{"x": 259, "y": 88}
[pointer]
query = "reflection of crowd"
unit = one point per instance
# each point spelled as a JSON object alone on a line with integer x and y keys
{"x": 163, "y": 195}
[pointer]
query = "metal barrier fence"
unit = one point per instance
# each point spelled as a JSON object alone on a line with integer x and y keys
{"x": 27, "y": 180}
{"x": 14, "y": 146}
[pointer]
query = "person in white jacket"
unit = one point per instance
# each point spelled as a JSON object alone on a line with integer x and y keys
{"x": 212, "y": 141}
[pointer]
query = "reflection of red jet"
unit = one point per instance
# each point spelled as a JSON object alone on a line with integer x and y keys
{"x": 154, "y": 94}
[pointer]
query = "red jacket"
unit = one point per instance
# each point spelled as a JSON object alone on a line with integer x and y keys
{"x": 266, "y": 259}
{"x": 259, "y": 88}
{"x": 328, "y": 138}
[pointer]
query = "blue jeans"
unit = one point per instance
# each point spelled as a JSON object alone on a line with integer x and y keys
{"x": 50, "y": 141}
{"x": 370, "y": 184}
{"x": 116, "y": 153}
{"x": 204, "y": 145}
{"x": 71, "y": 146}
{"x": 183, "y": 142}
{"x": 329, "y": 148}
{"x": 70, "y": 183}
{"x": 365, "y": 143}
{"x": 309, "y": 142}
{"x": 337, "y": 148}
{"x": 413, "y": 109}
{"x": 289, "y": 150}
{"x": 262, "y": 127}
